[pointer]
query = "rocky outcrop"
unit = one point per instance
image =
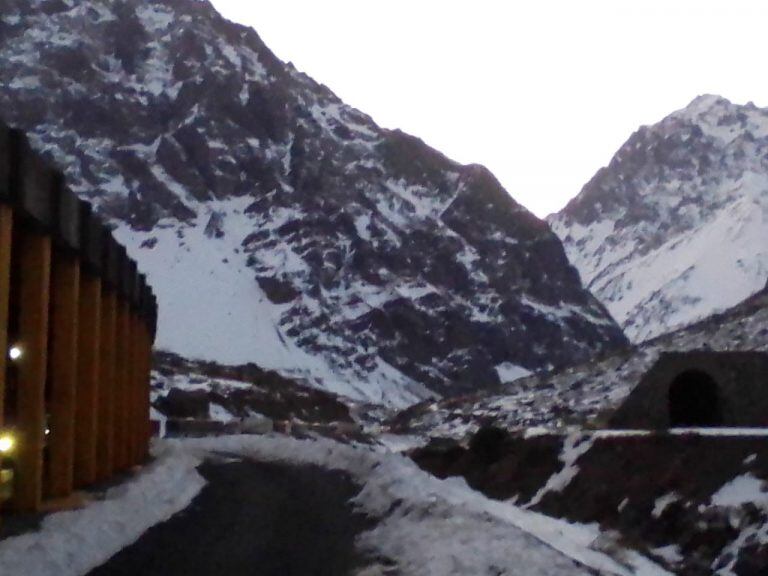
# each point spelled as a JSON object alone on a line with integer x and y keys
{"x": 591, "y": 392}
{"x": 185, "y": 404}
{"x": 695, "y": 504}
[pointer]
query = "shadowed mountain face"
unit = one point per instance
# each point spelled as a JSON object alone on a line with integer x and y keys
{"x": 675, "y": 228}
{"x": 280, "y": 226}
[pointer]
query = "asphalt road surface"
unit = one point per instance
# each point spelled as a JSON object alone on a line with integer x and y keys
{"x": 253, "y": 519}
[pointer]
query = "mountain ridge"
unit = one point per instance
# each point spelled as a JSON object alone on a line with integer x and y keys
{"x": 281, "y": 226}
{"x": 682, "y": 205}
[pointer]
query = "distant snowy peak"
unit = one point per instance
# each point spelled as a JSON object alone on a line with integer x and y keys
{"x": 277, "y": 224}
{"x": 723, "y": 120}
{"x": 676, "y": 226}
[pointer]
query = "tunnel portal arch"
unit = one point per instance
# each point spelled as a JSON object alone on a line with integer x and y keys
{"x": 694, "y": 400}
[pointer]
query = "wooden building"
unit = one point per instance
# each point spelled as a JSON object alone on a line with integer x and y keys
{"x": 77, "y": 324}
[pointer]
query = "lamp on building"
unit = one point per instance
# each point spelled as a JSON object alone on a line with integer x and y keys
{"x": 7, "y": 443}
{"x": 15, "y": 353}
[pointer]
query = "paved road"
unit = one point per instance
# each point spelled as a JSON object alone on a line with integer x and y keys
{"x": 253, "y": 519}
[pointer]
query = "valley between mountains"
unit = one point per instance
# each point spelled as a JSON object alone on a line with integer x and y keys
{"x": 337, "y": 295}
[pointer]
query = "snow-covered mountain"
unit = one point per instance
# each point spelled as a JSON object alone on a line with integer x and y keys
{"x": 676, "y": 226}
{"x": 278, "y": 225}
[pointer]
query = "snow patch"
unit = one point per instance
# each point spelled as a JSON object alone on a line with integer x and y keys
{"x": 509, "y": 372}
{"x": 662, "y": 502}
{"x": 744, "y": 489}
{"x": 74, "y": 542}
{"x": 575, "y": 446}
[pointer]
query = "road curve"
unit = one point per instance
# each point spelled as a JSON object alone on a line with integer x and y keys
{"x": 253, "y": 519}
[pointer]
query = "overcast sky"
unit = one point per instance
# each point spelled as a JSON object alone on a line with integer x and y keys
{"x": 542, "y": 92}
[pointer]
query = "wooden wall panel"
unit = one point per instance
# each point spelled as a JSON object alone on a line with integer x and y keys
{"x": 106, "y": 384}
{"x": 136, "y": 391}
{"x": 84, "y": 369}
{"x": 122, "y": 386}
{"x": 34, "y": 270}
{"x": 62, "y": 374}
{"x": 88, "y": 354}
{"x": 146, "y": 353}
{"x": 6, "y": 227}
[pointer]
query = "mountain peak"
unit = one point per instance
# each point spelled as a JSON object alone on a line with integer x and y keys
{"x": 705, "y": 103}
{"x": 681, "y": 207}
{"x": 721, "y": 119}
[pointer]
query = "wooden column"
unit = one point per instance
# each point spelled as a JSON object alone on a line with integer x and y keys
{"x": 130, "y": 392}
{"x": 6, "y": 227}
{"x": 148, "y": 344}
{"x": 88, "y": 355}
{"x": 62, "y": 376}
{"x": 122, "y": 373}
{"x": 137, "y": 404}
{"x": 34, "y": 293}
{"x": 104, "y": 448}
{"x": 143, "y": 390}
{"x": 145, "y": 353}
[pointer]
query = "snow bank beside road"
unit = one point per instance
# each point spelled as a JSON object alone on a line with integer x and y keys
{"x": 434, "y": 527}
{"x": 428, "y": 526}
{"x": 74, "y": 542}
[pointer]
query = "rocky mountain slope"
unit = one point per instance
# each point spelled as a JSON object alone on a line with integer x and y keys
{"x": 676, "y": 226}
{"x": 280, "y": 226}
{"x": 589, "y": 392}
{"x": 694, "y": 502}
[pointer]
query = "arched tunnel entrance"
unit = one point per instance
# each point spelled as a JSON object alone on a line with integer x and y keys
{"x": 694, "y": 400}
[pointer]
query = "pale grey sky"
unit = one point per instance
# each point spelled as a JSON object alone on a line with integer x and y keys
{"x": 543, "y": 92}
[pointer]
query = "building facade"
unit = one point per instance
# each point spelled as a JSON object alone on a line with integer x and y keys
{"x": 77, "y": 324}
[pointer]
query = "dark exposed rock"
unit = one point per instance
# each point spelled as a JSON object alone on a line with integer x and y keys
{"x": 488, "y": 444}
{"x": 214, "y": 228}
{"x": 278, "y": 291}
{"x": 496, "y": 463}
{"x": 269, "y": 393}
{"x": 654, "y": 490}
{"x": 185, "y": 404}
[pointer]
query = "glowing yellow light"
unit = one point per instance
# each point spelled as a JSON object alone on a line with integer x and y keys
{"x": 15, "y": 353}
{"x": 6, "y": 443}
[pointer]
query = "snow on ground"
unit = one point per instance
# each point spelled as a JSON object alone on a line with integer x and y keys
{"x": 399, "y": 443}
{"x": 227, "y": 300}
{"x": 218, "y": 413}
{"x": 428, "y": 526}
{"x": 661, "y": 503}
{"x": 73, "y": 542}
{"x": 745, "y": 489}
{"x": 575, "y": 446}
{"x": 194, "y": 383}
{"x": 231, "y": 308}
{"x": 509, "y": 372}
{"x": 458, "y": 531}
